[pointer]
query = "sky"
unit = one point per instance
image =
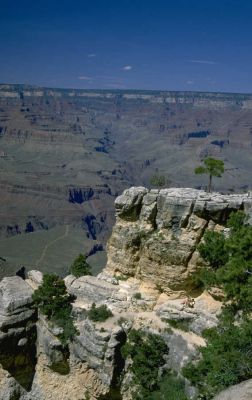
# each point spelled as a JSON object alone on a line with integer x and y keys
{"x": 193, "y": 45}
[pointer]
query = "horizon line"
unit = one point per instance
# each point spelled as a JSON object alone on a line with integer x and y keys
{"x": 122, "y": 90}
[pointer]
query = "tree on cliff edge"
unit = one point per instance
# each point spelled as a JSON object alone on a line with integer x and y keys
{"x": 80, "y": 267}
{"x": 212, "y": 167}
{"x": 53, "y": 300}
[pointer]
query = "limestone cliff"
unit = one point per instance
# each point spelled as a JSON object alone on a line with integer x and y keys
{"x": 156, "y": 233}
{"x": 17, "y": 338}
{"x": 146, "y": 284}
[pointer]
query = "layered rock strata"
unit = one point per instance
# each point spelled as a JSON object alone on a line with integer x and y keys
{"x": 147, "y": 285}
{"x": 17, "y": 338}
{"x": 93, "y": 363}
{"x": 157, "y": 232}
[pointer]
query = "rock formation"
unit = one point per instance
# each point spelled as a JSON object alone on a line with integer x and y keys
{"x": 70, "y": 153}
{"x": 156, "y": 233}
{"x": 146, "y": 284}
{"x": 243, "y": 391}
{"x": 17, "y": 338}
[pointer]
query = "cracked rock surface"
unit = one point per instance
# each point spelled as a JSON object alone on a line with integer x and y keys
{"x": 157, "y": 231}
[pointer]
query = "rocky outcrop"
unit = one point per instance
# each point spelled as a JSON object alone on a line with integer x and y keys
{"x": 146, "y": 285}
{"x": 243, "y": 391}
{"x": 157, "y": 232}
{"x": 17, "y": 337}
{"x": 92, "y": 363}
{"x": 193, "y": 315}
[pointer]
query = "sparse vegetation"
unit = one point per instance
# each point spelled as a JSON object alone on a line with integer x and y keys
{"x": 158, "y": 181}
{"x": 167, "y": 329}
{"x": 121, "y": 277}
{"x": 137, "y": 296}
{"x": 122, "y": 321}
{"x": 230, "y": 261}
{"x": 212, "y": 167}
{"x": 80, "y": 267}
{"x": 99, "y": 314}
{"x": 170, "y": 388}
{"x": 52, "y": 299}
{"x": 226, "y": 360}
{"x": 147, "y": 351}
{"x": 182, "y": 324}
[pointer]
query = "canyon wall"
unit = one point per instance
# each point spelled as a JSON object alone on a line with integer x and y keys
{"x": 66, "y": 154}
{"x": 146, "y": 284}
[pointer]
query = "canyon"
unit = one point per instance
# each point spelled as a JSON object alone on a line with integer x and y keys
{"x": 65, "y": 155}
{"x": 152, "y": 255}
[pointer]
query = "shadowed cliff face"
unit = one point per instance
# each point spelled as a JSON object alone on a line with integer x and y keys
{"x": 66, "y": 154}
{"x": 17, "y": 331}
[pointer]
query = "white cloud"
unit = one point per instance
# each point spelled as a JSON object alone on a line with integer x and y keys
{"x": 127, "y": 68}
{"x": 190, "y": 82}
{"x": 85, "y": 78}
{"x": 91, "y": 55}
{"x": 210, "y": 62}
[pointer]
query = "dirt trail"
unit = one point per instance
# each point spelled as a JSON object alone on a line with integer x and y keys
{"x": 50, "y": 244}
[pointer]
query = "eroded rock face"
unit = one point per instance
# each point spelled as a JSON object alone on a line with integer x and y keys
{"x": 157, "y": 231}
{"x": 17, "y": 336}
{"x": 146, "y": 284}
{"x": 93, "y": 362}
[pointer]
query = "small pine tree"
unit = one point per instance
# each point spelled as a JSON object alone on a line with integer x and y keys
{"x": 52, "y": 299}
{"x": 212, "y": 167}
{"x": 80, "y": 267}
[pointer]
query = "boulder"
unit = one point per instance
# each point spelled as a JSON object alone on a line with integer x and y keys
{"x": 191, "y": 314}
{"x": 17, "y": 336}
{"x": 243, "y": 391}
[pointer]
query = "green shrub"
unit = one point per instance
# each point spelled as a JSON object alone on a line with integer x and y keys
{"x": 182, "y": 324}
{"x": 167, "y": 329}
{"x": 146, "y": 351}
{"x": 137, "y": 296}
{"x": 226, "y": 360}
{"x": 213, "y": 249}
{"x": 158, "y": 181}
{"x": 99, "y": 314}
{"x": 52, "y": 299}
{"x": 80, "y": 267}
{"x": 230, "y": 261}
{"x": 170, "y": 388}
{"x": 121, "y": 277}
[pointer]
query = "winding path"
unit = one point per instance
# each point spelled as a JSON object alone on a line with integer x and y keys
{"x": 50, "y": 244}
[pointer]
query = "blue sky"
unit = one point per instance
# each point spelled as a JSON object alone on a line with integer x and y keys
{"x": 203, "y": 45}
